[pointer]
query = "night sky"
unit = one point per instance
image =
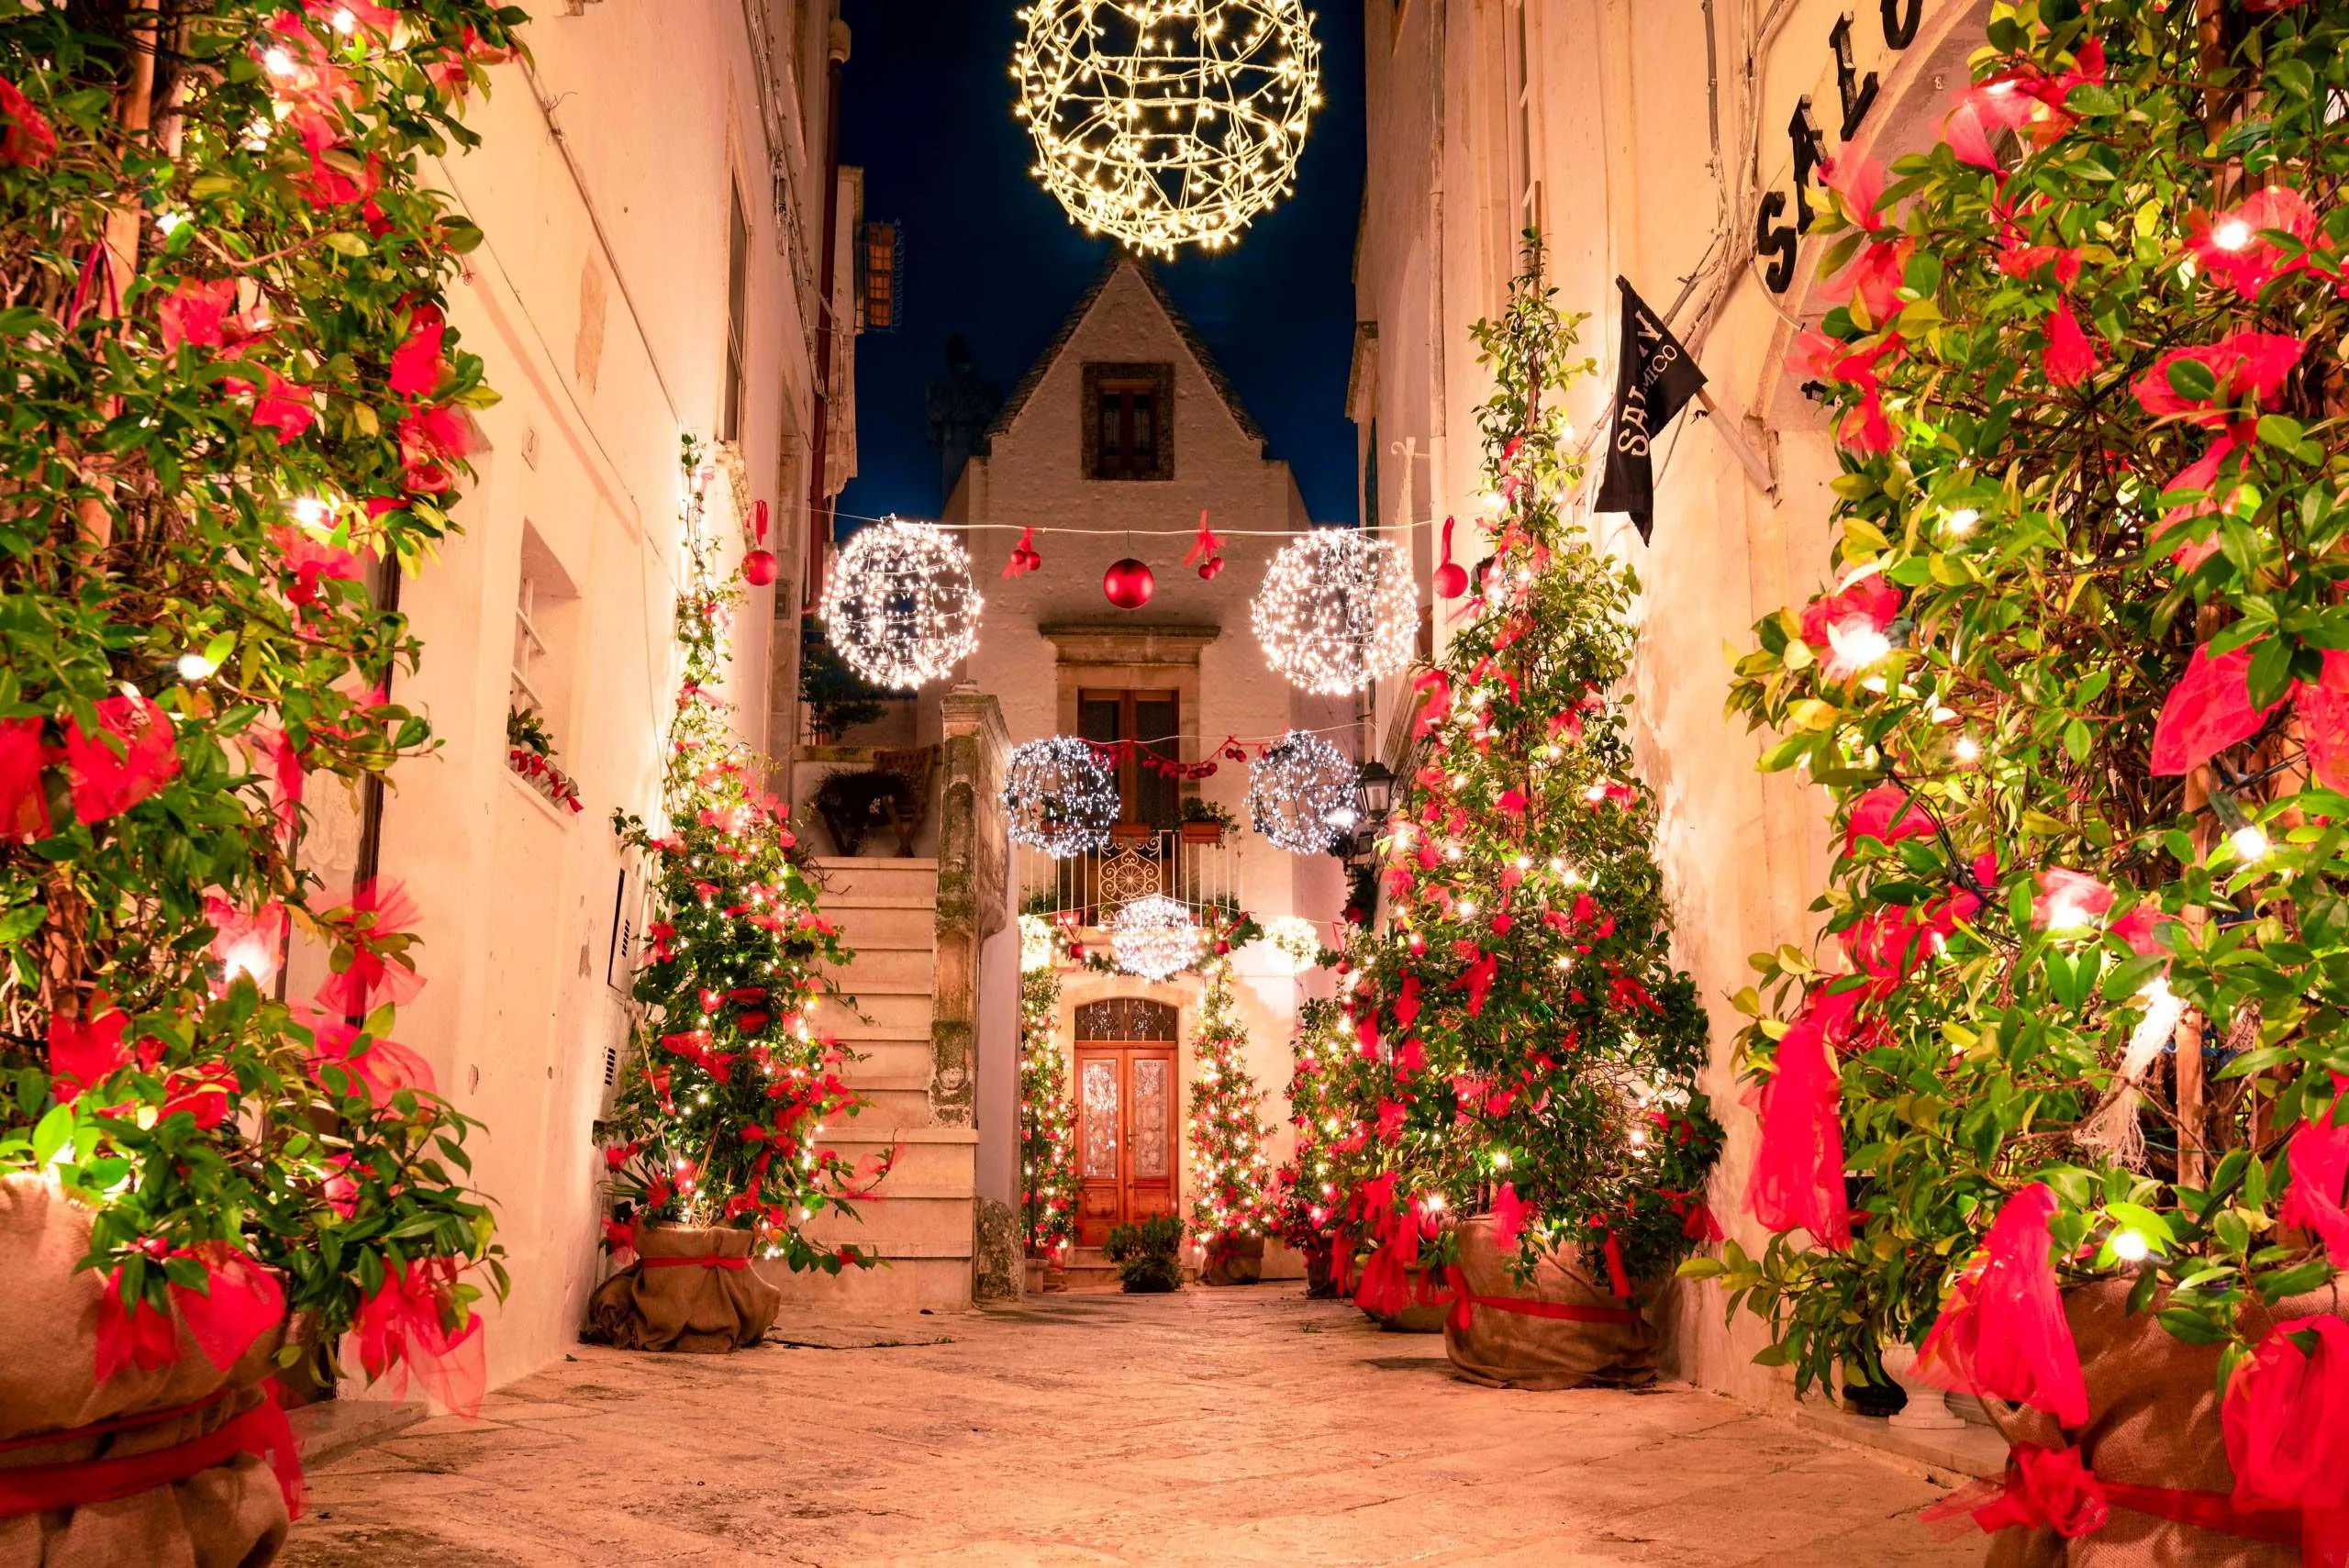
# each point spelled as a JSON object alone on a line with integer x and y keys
{"x": 927, "y": 114}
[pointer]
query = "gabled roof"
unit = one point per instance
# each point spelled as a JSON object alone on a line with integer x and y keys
{"x": 1176, "y": 318}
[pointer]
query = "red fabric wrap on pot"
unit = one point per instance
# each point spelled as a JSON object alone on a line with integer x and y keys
{"x": 691, "y": 1289}
{"x": 1563, "y": 1328}
{"x": 2153, "y": 1453}
{"x": 182, "y": 1462}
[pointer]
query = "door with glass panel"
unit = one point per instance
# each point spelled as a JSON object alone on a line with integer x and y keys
{"x": 1125, "y": 1113}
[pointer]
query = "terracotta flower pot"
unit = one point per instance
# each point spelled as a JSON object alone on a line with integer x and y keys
{"x": 232, "y": 1510}
{"x": 693, "y": 1288}
{"x": 1234, "y": 1260}
{"x": 1203, "y": 832}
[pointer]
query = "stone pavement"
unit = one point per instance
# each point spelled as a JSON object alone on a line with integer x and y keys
{"x": 1225, "y": 1428}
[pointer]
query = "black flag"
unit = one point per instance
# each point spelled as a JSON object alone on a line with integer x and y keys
{"x": 1655, "y": 381}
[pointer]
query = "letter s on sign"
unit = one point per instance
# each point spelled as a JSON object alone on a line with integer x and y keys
{"x": 1774, "y": 242}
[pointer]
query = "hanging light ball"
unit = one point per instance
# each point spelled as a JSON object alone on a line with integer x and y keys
{"x": 1130, "y": 584}
{"x": 1301, "y": 793}
{"x": 1153, "y": 937}
{"x": 1059, "y": 796}
{"x": 1337, "y": 610}
{"x": 1037, "y": 949}
{"x": 1167, "y": 122}
{"x": 1295, "y": 939}
{"x": 901, "y": 607}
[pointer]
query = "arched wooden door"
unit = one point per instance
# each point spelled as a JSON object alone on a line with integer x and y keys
{"x": 1126, "y": 1105}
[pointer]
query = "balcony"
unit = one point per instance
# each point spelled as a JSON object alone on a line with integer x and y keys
{"x": 1193, "y": 865}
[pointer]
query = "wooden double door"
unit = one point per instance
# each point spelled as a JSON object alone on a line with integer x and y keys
{"x": 1127, "y": 1104}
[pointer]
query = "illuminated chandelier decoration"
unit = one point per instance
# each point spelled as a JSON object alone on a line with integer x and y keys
{"x": 901, "y": 607}
{"x": 1336, "y": 611}
{"x": 1301, "y": 793}
{"x": 1167, "y": 122}
{"x": 1059, "y": 796}
{"x": 1153, "y": 937}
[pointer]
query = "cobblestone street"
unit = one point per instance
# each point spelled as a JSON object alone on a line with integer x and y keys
{"x": 1209, "y": 1428}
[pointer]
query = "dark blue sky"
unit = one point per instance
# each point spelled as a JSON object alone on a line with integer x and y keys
{"x": 927, "y": 112}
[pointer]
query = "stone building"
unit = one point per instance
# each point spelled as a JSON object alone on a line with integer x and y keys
{"x": 1124, "y": 427}
{"x": 1674, "y": 146}
{"x": 651, "y": 268}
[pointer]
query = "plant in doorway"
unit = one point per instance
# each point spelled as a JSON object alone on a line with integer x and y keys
{"x": 717, "y": 1152}
{"x": 2064, "y": 1112}
{"x": 1230, "y": 1167}
{"x": 1149, "y": 1254}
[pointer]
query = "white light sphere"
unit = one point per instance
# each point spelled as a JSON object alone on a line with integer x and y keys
{"x": 1059, "y": 796}
{"x": 1037, "y": 949}
{"x": 1167, "y": 122}
{"x": 1301, "y": 793}
{"x": 1338, "y": 611}
{"x": 1295, "y": 939}
{"x": 1153, "y": 937}
{"x": 901, "y": 607}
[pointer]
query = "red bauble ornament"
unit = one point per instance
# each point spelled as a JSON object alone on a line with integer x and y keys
{"x": 1451, "y": 582}
{"x": 1128, "y": 583}
{"x": 759, "y": 568}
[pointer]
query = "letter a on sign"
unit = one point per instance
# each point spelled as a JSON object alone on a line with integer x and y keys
{"x": 1655, "y": 379}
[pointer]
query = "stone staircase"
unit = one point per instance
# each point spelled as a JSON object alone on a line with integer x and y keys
{"x": 920, "y": 1218}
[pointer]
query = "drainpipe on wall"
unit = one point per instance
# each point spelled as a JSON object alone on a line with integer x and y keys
{"x": 820, "y": 504}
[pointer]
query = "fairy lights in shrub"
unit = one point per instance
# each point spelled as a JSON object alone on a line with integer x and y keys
{"x": 901, "y": 607}
{"x": 1059, "y": 796}
{"x": 1167, "y": 122}
{"x": 1153, "y": 937}
{"x": 1301, "y": 793}
{"x": 1337, "y": 610}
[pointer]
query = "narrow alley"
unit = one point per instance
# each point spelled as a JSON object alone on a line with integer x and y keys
{"x": 1206, "y": 1426}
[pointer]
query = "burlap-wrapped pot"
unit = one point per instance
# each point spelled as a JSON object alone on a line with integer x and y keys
{"x": 1234, "y": 1260}
{"x": 181, "y": 1508}
{"x": 690, "y": 1289}
{"x": 1561, "y": 1329}
{"x": 2153, "y": 1421}
{"x": 1320, "y": 1278}
{"x": 1423, "y": 1316}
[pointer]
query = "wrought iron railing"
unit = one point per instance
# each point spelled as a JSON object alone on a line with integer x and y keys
{"x": 1197, "y": 871}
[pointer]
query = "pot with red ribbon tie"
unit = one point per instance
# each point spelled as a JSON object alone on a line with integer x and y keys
{"x": 692, "y": 1288}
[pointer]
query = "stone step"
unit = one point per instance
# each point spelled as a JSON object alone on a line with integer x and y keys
{"x": 865, "y": 925}
{"x": 899, "y": 1227}
{"x": 862, "y": 878}
{"x": 897, "y": 1106}
{"x": 890, "y": 971}
{"x": 928, "y": 1158}
{"x": 901, "y": 1286}
{"x": 889, "y": 1062}
{"x": 880, "y": 1017}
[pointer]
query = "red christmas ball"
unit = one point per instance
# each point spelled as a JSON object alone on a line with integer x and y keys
{"x": 1128, "y": 583}
{"x": 759, "y": 568}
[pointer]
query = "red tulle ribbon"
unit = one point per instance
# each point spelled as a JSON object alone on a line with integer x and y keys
{"x": 1463, "y": 1301}
{"x": 24, "y": 802}
{"x": 705, "y": 1262}
{"x": 241, "y": 1301}
{"x": 2002, "y": 1331}
{"x": 378, "y": 910}
{"x": 1797, "y": 1180}
{"x": 261, "y": 1431}
{"x": 129, "y": 759}
{"x": 401, "y": 1328}
{"x": 1024, "y": 558}
{"x": 2285, "y": 1420}
{"x": 2054, "y": 1489}
{"x": 2319, "y": 1157}
{"x": 1205, "y": 551}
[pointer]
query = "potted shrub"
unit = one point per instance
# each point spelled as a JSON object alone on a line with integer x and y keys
{"x": 1149, "y": 1254}
{"x": 221, "y": 439}
{"x": 2074, "y": 686}
{"x": 1231, "y": 1209}
{"x": 1204, "y": 822}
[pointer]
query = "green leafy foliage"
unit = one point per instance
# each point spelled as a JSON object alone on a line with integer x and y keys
{"x": 1047, "y": 1182}
{"x": 233, "y": 410}
{"x": 2058, "y": 554}
{"x": 1231, "y": 1169}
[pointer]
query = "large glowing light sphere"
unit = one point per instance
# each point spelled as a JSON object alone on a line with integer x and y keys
{"x": 1153, "y": 937}
{"x": 1338, "y": 611}
{"x": 1167, "y": 122}
{"x": 1059, "y": 796}
{"x": 901, "y": 607}
{"x": 1301, "y": 793}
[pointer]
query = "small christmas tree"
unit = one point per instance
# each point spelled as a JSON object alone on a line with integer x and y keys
{"x": 729, "y": 1088}
{"x": 1306, "y": 1187}
{"x": 1523, "y": 1041}
{"x": 1230, "y": 1168}
{"x": 1047, "y": 1113}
